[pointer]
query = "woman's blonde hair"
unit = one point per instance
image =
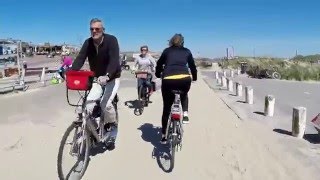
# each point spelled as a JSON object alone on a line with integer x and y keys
{"x": 177, "y": 40}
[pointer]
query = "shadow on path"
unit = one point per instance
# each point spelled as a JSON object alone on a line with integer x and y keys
{"x": 241, "y": 102}
{"x": 136, "y": 105}
{"x": 260, "y": 113}
{"x": 160, "y": 152}
{"x": 312, "y": 138}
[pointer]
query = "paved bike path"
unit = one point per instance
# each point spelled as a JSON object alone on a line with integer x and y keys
{"x": 216, "y": 144}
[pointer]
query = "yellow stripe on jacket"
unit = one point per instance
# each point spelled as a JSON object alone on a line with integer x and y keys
{"x": 178, "y": 76}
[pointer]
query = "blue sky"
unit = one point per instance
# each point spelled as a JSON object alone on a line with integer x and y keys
{"x": 275, "y": 28}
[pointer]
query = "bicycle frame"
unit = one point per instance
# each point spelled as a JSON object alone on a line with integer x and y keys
{"x": 85, "y": 118}
{"x": 177, "y": 102}
{"x": 145, "y": 79}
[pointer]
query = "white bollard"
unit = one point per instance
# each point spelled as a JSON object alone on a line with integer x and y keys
{"x": 269, "y": 102}
{"x": 219, "y": 81}
{"x": 223, "y": 81}
{"x": 230, "y": 85}
{"x": 224, "y": 73}
{"x": 231, "y": 73}
{"x": 238, "y": 71}
{"x": 216, "y": 75}
{"x": 23, "y": 73}
{"x": 249, "y": 94}
{"x": 299, "y": 119}
{"x": 43, "y": 74}
{"x": 239, "y": 89}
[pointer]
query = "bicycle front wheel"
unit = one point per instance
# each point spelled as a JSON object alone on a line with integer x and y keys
{"x": 80, "y": 146}
{"x": 141, "y": 97}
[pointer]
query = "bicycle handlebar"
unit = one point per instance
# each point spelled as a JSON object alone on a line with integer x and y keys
{"x": 95, "y": 80}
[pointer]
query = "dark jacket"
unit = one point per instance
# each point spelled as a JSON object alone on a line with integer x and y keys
{"x": 105, "y": 61}
{"x": 174, "y": 61}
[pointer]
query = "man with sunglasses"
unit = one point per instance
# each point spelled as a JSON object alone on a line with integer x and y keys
{"x": 102, "y": 51}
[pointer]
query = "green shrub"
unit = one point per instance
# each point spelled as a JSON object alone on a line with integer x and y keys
{"x": 293, "y": 70}
{"x": 300, "y": 72}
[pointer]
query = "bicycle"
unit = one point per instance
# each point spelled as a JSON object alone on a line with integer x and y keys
{"x": 89, "y": 129}
{"x": 174, "y": 132}
{"x": 143, "y": 90}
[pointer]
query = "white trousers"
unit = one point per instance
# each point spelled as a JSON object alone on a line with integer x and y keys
{"x": 107, "y": 94}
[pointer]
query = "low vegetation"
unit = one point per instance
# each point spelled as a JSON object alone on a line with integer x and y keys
{"x": 203, "y": 63}
{"x": 300, "y": 68}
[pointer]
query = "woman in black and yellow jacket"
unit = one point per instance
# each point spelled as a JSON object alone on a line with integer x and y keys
{"x": 173, "y": 67}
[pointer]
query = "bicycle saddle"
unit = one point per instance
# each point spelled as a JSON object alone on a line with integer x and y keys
{"x": 176, "y": 92}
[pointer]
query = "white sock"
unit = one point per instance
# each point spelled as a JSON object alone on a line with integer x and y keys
{"x": 185, "y": 113}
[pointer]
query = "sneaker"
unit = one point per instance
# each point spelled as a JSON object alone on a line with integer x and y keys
{"x": 163, "y": 140}
{"x": 185, "y": 120}
{"x": 110, "y": 126}
{"x": 111, "y": 146}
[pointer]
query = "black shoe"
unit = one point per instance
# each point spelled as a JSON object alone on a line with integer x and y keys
{"x": 163, "y": 140}
{"x": 185, "y": 120}
{"x": 111, "y": 146}
{"x": 110, "y": 126}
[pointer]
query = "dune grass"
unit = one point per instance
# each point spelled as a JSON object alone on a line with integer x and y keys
{"x": 289, "y": 70}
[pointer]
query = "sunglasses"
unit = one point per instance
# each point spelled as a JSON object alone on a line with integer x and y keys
{"x": 96, "y": 29}
{"x": 144, "y": 50}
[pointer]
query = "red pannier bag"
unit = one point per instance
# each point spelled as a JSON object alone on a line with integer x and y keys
{"x": 79, "y": 80}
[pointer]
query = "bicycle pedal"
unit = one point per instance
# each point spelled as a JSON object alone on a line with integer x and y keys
{"x": 105, "y": 138}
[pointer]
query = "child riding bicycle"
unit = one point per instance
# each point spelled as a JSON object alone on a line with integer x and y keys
{"x": 66, "y": 64}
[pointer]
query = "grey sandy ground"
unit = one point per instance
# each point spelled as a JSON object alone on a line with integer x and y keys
{"x": 217, "y": 145}
{"x": 288, "y": 94}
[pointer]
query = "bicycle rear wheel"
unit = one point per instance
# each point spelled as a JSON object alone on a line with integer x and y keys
{"x": 79, "y": 148}
{"x": 173, "y": 143}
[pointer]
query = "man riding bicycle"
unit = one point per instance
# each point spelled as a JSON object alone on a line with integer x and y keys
{"x": 145, "y": 62}
{"x": 102, "y": 51}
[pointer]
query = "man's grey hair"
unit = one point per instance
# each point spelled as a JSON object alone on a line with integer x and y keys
{"x": 94, "y": 20}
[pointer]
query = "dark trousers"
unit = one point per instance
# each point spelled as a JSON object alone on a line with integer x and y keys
{"x": 168, "y": 97}
{"x": 147, "y": 81}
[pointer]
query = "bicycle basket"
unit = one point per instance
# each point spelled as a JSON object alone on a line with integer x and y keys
{"x": 142, "y": 75}
{"x": 79, "y": 80}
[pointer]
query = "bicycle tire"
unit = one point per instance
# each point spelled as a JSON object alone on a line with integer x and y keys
{"x": 140, "y": 97}
{"x": 173, "y": 144}
{"x": 180, "y": 132}
{"x": 276, "y": 75}
{"x": 61, "y": 148}
{"x": 146, "y": 92}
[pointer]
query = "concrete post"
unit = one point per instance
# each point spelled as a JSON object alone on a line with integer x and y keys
{"x": 219, "y": 81}
{"x": 23, "y": 73}
{"x": 239, "y": 89}
{"x": 299, "y": 119}
{"x": 249, "y": 94}
{"x": 238, "y": 71}
{"x": 230, "y": 85}
{"x": 223, "y": 81}
{"x": 216, "y": 75}
{"x": 231, "y": 73}
{"x": 43, "y": 75}
{"x": 269, "y": 102}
